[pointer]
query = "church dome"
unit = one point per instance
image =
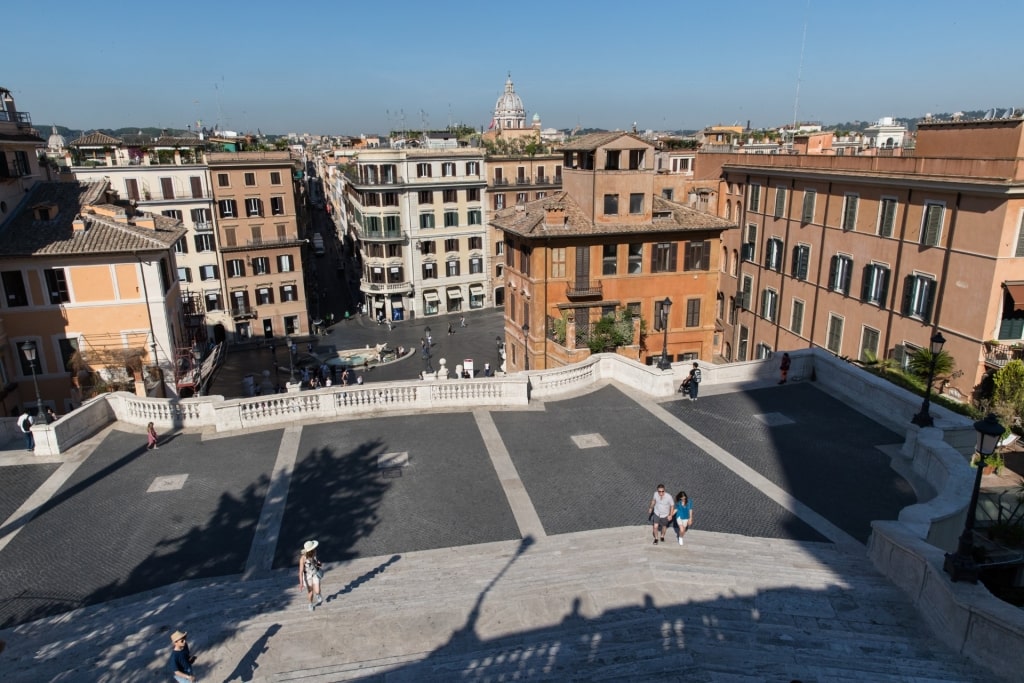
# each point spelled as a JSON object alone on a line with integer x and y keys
{"x": 56, "y": 140}
{"x": 508, "y": 110}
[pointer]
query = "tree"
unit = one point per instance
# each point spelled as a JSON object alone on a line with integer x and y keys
{"x": 1008, "y": 386}
{"x": 921, "y": 362}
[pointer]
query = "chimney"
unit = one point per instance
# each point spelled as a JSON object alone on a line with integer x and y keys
{"x": 146, "y": 220}
{"x": 554, "y": 216}
{"x": 78, "y": 225}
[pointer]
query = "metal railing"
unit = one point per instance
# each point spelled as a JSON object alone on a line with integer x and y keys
{"x": 243, "y": 312}
{"x": 18, "y": 117}
{"x": 574, "y": 289}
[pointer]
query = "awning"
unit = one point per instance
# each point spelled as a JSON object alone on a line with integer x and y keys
{"x": 454, "y": 293}
{"x": 430, "y": 296}
{"x": 1016, "y": 292}
{"x": 397, "y": 303}
{"x": 476, "y": 289}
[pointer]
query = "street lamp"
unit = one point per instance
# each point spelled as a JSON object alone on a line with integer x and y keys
{"x": 664, "y": 363}
{"x": 924, "y": 418}
{"x": 28, "y": 349}
{"x": 526, "y": 347}
{"x": 961, "y": 565}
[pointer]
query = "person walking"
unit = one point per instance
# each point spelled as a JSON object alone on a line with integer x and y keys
{"x": 25, "y": 423}
{"x": 151, "y": 437}
{"x": 462, "y": 321}
{"x": 310, "y": 572}
{"x": 683, "y": 514}
{"x": 181, "y": 659}
{"x": 784, "y": 368}
{"x": 693, "y": 381}
{"x": 659, "y": 513}
{"x": 451, "y": 328}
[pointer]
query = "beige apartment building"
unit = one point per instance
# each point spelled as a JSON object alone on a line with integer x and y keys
{"x": 260, "y": 242}
{"x": 869, "y": 256}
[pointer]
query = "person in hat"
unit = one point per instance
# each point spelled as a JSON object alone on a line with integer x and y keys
{"x": 310, "y": 572}
{"x": 181, "y": 658}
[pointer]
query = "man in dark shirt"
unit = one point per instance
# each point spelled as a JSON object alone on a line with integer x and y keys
{"x": 181, "y": 659}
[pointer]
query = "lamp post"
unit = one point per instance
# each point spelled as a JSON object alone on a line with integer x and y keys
{"x": 924, "y": 418}
{"x": 526, "y": 347}
{"x": 961, "y": 565}
{"x": 31, "y": 353}
{"x": 664, "y": 363}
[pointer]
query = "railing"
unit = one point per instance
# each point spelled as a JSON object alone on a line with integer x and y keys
{"x": 999, "y": 355}
{"x": 203, "y": 226}
{"x": 382, "y": 235}
{"x": 522, "y": 181}
{"x": 583, "y": 289}
{"x": 500, "y": 182}
{"x": 385, "y": 287}
{"x": 242, "y": 312}
{"x": 19, "y": 117}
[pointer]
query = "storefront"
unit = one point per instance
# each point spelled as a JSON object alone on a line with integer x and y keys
{"x": 430, "y": 302}
{"x": 454, "y": 299}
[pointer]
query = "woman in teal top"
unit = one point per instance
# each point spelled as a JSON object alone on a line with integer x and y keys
{"x": 683, "y": 514}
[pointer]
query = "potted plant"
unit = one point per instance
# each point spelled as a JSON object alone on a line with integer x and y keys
{"x": 994, "y": 463}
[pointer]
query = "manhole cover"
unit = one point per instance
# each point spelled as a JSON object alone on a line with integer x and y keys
{"x": 172, "y": 482}
{"x": 588, "y": 440}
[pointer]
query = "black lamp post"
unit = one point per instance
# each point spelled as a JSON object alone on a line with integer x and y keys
{"x": 526, "y": 347}
{"x": 924, "y": 418}
{"x": 961, "y": 565}
{"x": 664, "y": 363}
{"x": 28, "y": 349}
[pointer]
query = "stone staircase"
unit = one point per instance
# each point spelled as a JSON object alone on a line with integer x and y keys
{"x": 600, "y": 605}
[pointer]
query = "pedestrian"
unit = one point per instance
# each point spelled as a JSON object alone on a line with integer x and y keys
{"x": 181, "y": 659}
{"x": 683, "y": 515}
{"x": 693, "y": 381}
{"x": 309, "y": 347}
{"x": 50, "y": 415}
{"x": 430, "y": 340}
{"x": 487, "y": 370}
{"x": 659, "y": 513}
{"x": 462, "y": 321}
{"x": 451, "y": 328}
{"x": 151, "y": 437}
{"x": 310, "y": 572}
{"x": 784, "y": 368}
{"x": 25, "y": 423}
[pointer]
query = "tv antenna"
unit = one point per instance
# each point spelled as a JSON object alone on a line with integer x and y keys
{"x": 800, "y": 68}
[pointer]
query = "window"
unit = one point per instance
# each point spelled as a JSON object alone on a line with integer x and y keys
{"x": 769, "y": 304}
{"x": 834, "y": 343}
{"x": 261, "y": 266}
{"x": 693, "y": 312}
{"x": 741, "y": 349}
{"x": 57, "y": 285}
{"x": 499, "y": 201}
{"x": 222, "y": 180}
{"x": 499, "y": 248}
{"x": 636, "y": 203}
{"x": 213, "y": 301}
{"x": 172, "y": 213}
{"x": 201, "y": 218}
{"x": 254, "y": 206}
{"x": 207, "y": 273}
{"x": 203, "y": 242}
{"x": 451, "y": 244}
{"x": 869, "y": 344}
{"x": 250, "y": 179}
{"x": 780, "y": 202}
{"x": 393, "y": 250}
{"x": 451, "y": 219}
{"x": 257, "y": 234}
{"x": 448, "y": 170}
{"x": 558, "y": 262}
{"x": 524, "y": 260}
{"x": 886, "y": 216}
{"x": 636, "y": 159}
{"x": 801, "y": 259}
{"x": 755, "y": 197}
{"x": 611, "y": 205}
{"x": 763, "y": 351}
{"x": 611, "y": 160}
{"x": 475, "y": 242}
{"x": 425, "y": 197}
{"x": 750, "y": 245}
{"x": 236, "y": 268}
{"x": 423, "y": 170}
{"x": 839, "y": 273}
{"x": 875, "y": 288}
{"x": 227, "y": 208}
{"x": 473, "y": 168}
{"x": 14, "y": 288}
{"x": 426, "y": 221}
{"x": 931, "y": 225}
{"x": 473, "y": 194}
{"x": 919, "y": 297}
{"x": 796, "y": 320}
{"x": 450, "y": 196}
{"x": 510, "y": 254}
{"x": 291, "y": 324}
{"x": 850, "y": 211}
{"x": 663, "y": 257}
{"x": 666, "y": 193}
{"x": 661, "y": 315}
{"x": 392, "y": 225}
{"x": 184, "y": 275}
{"x": 275, "y": 177}
{"x": 289, "y": 293}
{"x": 476, "y": 265}
{"x": 452, "y": 268}
{"x": 264, "y": 295}
{"x": 277, "y": 206}
{"x": 635, "y": 258}
{"x": 745, "y": 291}
{"x": 609, "y": 259}
{"x": 522, "y": 197}
{"x": 428, "y": 247}
{"x": 1019, "y": 250}
{"x": 807, "y": 215}
{"x": 773, "y": 254}
{"x": 429, "y": 271}
{"x": 697, "y": 256}
{"x": 475, "y": 217}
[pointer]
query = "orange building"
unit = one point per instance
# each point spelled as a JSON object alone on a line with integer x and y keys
{"x": 608, "y": 244}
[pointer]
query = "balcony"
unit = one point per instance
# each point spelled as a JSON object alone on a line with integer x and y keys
{"x": 998, "y": 355}
{"x": 500, "y": 182}
{"x": 19, "y": 117}
{"x": 384, "y": 287}
{"x": 522, "y": 181}
{"x": 203, "y": 226}
{"x": 584, "y": 289}
{"x": 243, "y": 313}
{"x": 383, "y": 235}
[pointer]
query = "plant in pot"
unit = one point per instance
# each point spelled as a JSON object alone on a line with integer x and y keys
{"x": 994, "y": 463}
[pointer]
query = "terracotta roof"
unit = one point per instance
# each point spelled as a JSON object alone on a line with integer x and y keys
{"x": 594, "y": 140}
{"x": 95, "y": 139}
{"x": 669, "y": 217}
{"x": 25, "y": 235}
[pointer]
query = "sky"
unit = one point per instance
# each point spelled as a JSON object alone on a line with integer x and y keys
{"x": 350, "y": 68}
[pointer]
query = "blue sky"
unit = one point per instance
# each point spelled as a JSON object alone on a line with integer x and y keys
{"x": 358, "y": 67}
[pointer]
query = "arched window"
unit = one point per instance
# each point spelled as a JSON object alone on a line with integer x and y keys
{"x": 733, "y": 261}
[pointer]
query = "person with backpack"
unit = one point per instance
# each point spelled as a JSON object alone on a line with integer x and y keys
{"x": 692, "y": 382}
{"x": 25, "y": 423}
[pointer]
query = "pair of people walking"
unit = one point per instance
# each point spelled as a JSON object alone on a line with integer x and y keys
{"x": 663, "y": 512}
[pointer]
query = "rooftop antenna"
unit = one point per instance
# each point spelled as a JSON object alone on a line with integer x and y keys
{"x": 424, "y": 120}
{"x": 800, "y": 68}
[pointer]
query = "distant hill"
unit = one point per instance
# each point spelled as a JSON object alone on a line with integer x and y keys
{"x": 72, "y": 133}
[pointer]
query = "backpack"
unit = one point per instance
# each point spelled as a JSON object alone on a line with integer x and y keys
{"x": 696, "y": 375}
